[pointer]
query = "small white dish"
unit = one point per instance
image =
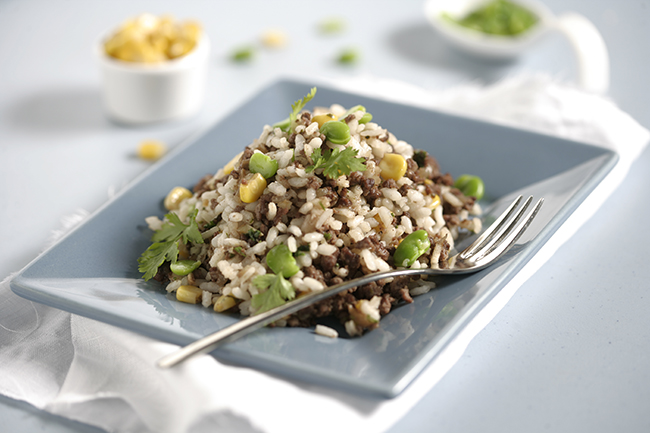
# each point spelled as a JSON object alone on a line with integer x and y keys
{"x": 483, "y": 44}
{"x": 589, "y": 47}
{"x": 139, "y": 93}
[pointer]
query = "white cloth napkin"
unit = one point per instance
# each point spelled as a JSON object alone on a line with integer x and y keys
{"x": 105, "y": 376}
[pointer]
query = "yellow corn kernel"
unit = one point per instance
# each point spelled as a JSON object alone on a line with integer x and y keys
{"x": 322, "y": 118}
{"x": 393, "y": 166}
{"x": 176, "y": 196}
{"x": 274, "y": 38}
{"x": 223, "y": 303}
{"x": 228, "y": 168}
{"x": 252, "y": 188}
{"x": 151, "y": 39}
{"x": 151, "y": 150}
{"x": 435, "y": 203}
{"x": 189, "y": 294}
{"x": 428, "y": 182}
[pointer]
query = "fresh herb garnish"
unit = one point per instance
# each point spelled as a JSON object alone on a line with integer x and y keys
{"x": 243, "y": 54}
{"x": 302, "y": 249}
{"x": 254, "y": 235}
{"x": 277, "y": 292}
{"x": 287, "y": 124}
{"x": 348, "y": 56}
{"x": 165, "y": 243}
{"x": 337, "y": 162}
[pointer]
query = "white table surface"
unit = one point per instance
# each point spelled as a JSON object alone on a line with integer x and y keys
{"x": 569, "y": 352}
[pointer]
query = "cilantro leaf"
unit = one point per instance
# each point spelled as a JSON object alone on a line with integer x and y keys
{"x": 278, "y": 291}
{"x": 337, "y": 162}
{"x": 155, "y": 256}
{"x": 296, "y": 108}
{"x": 287, "y": 124}
{"x": 165, "y": 243}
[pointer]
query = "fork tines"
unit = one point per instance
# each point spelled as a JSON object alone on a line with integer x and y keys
{"x": 503, "y": 233}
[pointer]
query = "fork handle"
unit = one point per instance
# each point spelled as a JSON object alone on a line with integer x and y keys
{"x": 252, "y": 323}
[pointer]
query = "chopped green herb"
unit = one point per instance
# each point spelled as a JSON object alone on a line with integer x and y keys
{"x": 243, "y": 54}
{"x": 211, "y": 224}
{"x": 240, "y": 251}
{"x": 327, "y": 236}
{"x": 165, "y": 243}
{"x": 302, "y": 249}
{"x": 287, "y": 124}
{"x": 419, "y": 157}
{"x": 348, "y": 56}
{"x": 337, "y": 162}
{"x": 254, "y": 235}
{"x": 277, "y": 291}
{"x": 332, "y": 25}
{"x": 499, "y": 17}
{"x": 298, "y": 106}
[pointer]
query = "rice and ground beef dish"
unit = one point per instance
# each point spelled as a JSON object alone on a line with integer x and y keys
{"x": 322, "y": 197}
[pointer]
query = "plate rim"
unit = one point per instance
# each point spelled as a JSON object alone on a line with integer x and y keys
{"x": 20, "y": 284}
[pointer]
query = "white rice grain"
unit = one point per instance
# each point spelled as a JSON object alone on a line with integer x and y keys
{"x": 271, "y": 235}
{"x": 257, "y": 249}
{"x": 452, "y": 199}
{"x": 407, "y": 224}
{"x": 324, "y": 217}
{"x": 313, "y": 284}
{"x": 313, "y": 237}
{"x": 312, "y": 128}
{"x": 326, "y": 249}
{"x": 206, "y": 298}
{"x": 210, "y": 286}
{"x": 391, "y": 194}
{"x": 335, "y": 224}
{"x": 368, "y": 260}
{"x": 272, "y": 210}
{"x": 422, "y": 287}
{"x": 298, "y": 182}
{"x": 294, "y": 229}
{"x": 277, "y": 188}
{"x": 238, "y": 293}
{"x": 326, "y": 331}
{"x": 154, "y": 223}
{"x": 229, "y": 270}
{"x": 234, "y": 217}
{"x": 173, "y": 286}
{"x": 291, "y": 243}
{"x": 304, "y": 260}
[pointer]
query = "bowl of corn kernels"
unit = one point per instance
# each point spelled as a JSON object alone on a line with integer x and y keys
{"x": 154, "y": 69}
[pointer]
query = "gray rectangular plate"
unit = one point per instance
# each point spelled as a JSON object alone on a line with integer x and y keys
{"x": 93, "y": 270}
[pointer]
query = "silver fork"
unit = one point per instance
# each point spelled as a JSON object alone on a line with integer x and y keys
{"x": 487, "y": 248}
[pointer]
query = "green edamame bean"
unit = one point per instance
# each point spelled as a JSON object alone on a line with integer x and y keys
{"x": 283, "y": 124}
{"x": 281, "y": 261}
{"x": 184, "y": 267}
{"x": 336, "y": 132}
{"x": 411, "y": 248}
{"x": 354, "y": 110}
{"x": 367, "y": 117}
{"x": 263, "y": 164}
{"x": 348, "y": 56}
{"x": 470, "y": 185}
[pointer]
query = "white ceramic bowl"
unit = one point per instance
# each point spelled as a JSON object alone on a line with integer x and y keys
{"x": 588, "y": 45}
{"x": 483, "y": 44}
{"x": 138, "y": 93}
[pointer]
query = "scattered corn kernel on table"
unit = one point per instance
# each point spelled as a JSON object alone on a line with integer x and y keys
{"x": 568, "y": 353}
